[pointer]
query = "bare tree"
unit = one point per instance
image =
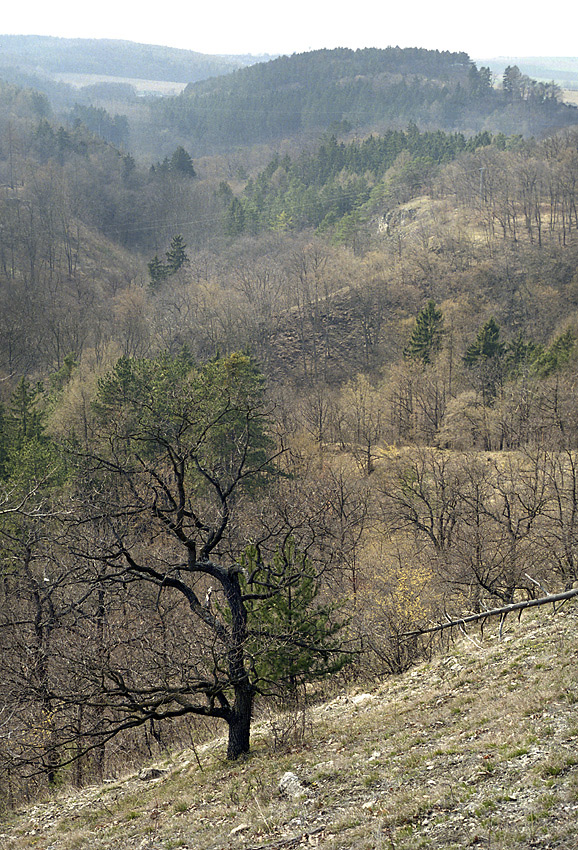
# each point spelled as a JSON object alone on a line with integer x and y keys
{"x": 179, "y": 452}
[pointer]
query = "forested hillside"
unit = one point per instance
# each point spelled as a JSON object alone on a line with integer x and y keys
{"x": 112, "y": 58}
{"x": 265, "y": 412}
{"x": 290, "y": 99}
{"x": 360, "y": 90}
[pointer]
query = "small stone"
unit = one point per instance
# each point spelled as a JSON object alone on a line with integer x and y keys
{"x": 290, "y": 786}
{"x": 361, "y": 699}
{"x": 151, "y": 773}
{"x": 241, "y": 828}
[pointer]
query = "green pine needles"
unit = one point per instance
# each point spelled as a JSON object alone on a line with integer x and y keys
{"x": 426, "y": 339}
{"x": 175, "y": 258}
{"x": 295, "y": 636}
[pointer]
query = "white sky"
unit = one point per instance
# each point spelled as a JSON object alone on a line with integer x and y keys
{"x": 482, "y": 29}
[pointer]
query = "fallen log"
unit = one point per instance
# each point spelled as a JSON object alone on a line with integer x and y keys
{"x": 495, "y": 612}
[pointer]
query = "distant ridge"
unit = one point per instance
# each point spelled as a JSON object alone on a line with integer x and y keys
{"x": 48, "y": 55}
{"x": 344, "y": 90}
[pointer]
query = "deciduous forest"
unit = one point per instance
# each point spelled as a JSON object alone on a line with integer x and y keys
{"x": 287, "y": 371}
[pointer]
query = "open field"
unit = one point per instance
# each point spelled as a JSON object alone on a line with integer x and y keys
{"x": 570, "y": 96}
{"x": 142, "y": 87}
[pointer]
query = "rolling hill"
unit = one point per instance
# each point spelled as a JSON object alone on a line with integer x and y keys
{"x": 113, "y": 58}
{"x": 61, "y": 66}
{"x": 362, "y": 91}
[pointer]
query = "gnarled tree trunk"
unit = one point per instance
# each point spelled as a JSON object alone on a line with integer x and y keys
{"x": 239, "y": 720}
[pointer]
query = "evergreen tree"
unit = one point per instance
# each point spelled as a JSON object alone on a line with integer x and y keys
{"x": 486, "y": 357}
{"x": 25, "y": 415}
{"x": 294, "y": 637}
{"x": 176, "y": 446}
{"x": 487, "y": 345}
{"x": 157, "y": 271}
{"x": 519, "y": 354}
{"x": 4, "y": 444}
{"x": 512, "y": 82}
{"x": 557, "y": 354}
{"x": 426, "y": 339}
{"x": 181, "y": 163}
{"x": 176, "y": 258}
{"x": 235, "y": 218}
{"x": 27, "y": 453}
{"x": 176, "y": 255}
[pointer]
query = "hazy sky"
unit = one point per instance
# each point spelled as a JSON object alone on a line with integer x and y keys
{"x": 482, "y": 29}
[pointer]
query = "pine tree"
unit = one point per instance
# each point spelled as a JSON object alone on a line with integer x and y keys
{"x": 487, "y": 345}
{"x": 293, "y": 636}
{"x": 176, "y": 255}
{"x": 485, "y": 357}
{"x": 157, "y": 271}
{"x": 235, "y": 218}
{"x": 426, "y": 339}
{"x": 25, "y": 415}
{"x": 181, "y": 163}
{"x": 557, "y": 354}
{"x": 176, "y": 258}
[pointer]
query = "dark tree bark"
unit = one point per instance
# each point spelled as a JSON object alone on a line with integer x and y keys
{"x": 239, "y": 720}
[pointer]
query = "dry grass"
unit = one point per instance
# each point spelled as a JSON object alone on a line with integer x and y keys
{"x": 477, "y": 747}
{"x": 142, "y": 86}
{"x": 570, "y": 96}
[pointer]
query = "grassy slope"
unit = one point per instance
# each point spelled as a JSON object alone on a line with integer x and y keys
{"x": 478, "y": 747}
